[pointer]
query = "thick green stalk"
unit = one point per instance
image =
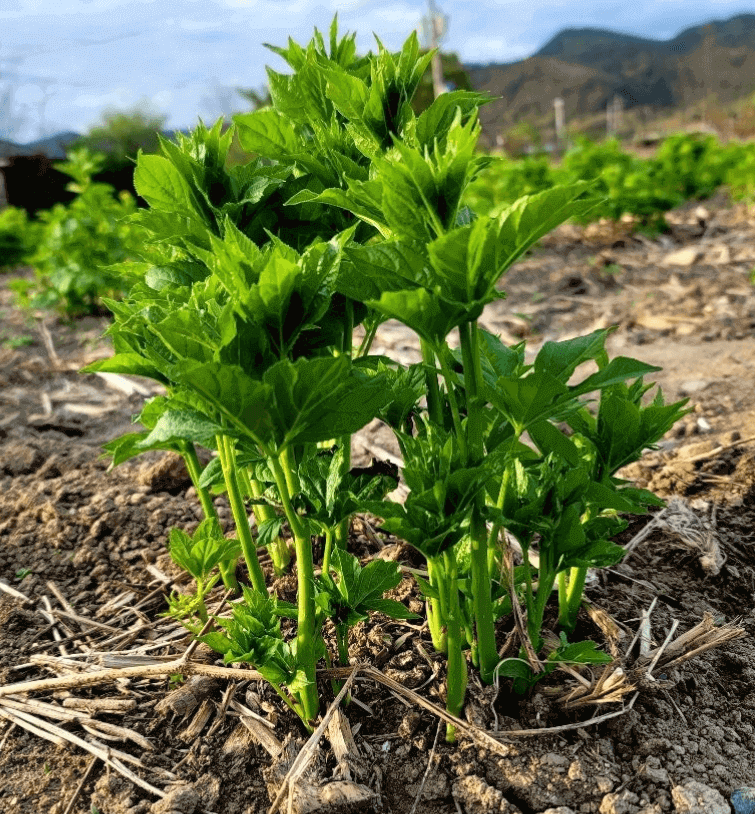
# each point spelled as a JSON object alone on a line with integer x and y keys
{"x": 481, "y": 585}
{"x": 194, "y": 469}
{"x": 227, "y": 569}
{"x": 305, "y": 634}
{"x": 545, "y": 582}
{"x": 368, "y": 339}
{"x": 436, "y": 611}
{"x": 453, "y": 401}
{"x": 289, "y": 470}
{"x": 342, "y": 530}
{"x": 457, "y": 664}
{"x": 570, "y": 589}
{"x": 342, "y": 639}
{"x": 434, "y": 406}
{"x": 278, "y": 549}
{"x": 327, "y": 550}
{"x": 227, "y": 454}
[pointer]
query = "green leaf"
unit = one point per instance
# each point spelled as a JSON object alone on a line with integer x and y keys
{"x": 268, "y": 133}
{"x": 128, "y": 363}
{"x": 374, "y": 269}
{"x": 561, "y": 359}
{"x": 269, "y": 531}
{"x": 425, "y": 313}
{"x": 550, "y": 439}
{"x": 437, "y": 119}
{"x": 392, "y": 608}
{"x": 176, "y": 426}
{"x": 158, "y": 181}
{"x": 616, "y": 371}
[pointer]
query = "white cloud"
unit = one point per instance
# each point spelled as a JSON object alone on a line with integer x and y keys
{"x": 492, "y": 49}
{"x": 115, "y": 98}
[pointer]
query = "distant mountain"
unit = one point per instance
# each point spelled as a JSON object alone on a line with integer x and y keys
{"x": 588, "y": 67}
{"x": 52, "y": 146}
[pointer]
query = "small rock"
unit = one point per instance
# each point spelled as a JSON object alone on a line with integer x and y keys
{"x": 181, "y": 800}
{"x": 478, "y": 797}
{"x": 474, "y": 794}
{"x": 694, "y": 386}
{"x": 682, "y": 257}
{"x": 743, "y": 800}
{"x": 559, "y": 810}
{"x": 622, "y": 802}
{"x": 657, "y": 775}
{"x": 554, "y": 759}
{"x": 169, "y": 473}
{"x": 720, "y": 256}
{"x": 697, "y": 798}
{"x": 702, "y": 214}
{"x": 703, "y": 425}
{"x": 604, "y": 784}
{"x": 409, "y": 723}
{"x": 21, "y": 459}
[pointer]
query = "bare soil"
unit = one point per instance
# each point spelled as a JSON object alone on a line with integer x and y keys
{"x": 84, "y": 573}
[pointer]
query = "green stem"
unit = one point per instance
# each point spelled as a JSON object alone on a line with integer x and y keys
{"x": 289, "y": 469}
{"x": 434, "y": 406}
{"x": 293, "y": 705}
{"x": 570, "y": 596}
{"x": 342, "y": 529}
{"x": 453, "y": 401}
{"x": 436, "y": 616}
{"x": 278, "y": 549}
{"x": 193, "y": 467}
{"x": 201, "y": 607}
{"x": 342, "y": 639}
{"x": 227, "y": 454}
{"x": 545, "y": 582}
{"x": 305, "y": 634}
{"x": 367, "y": 340}
{"x": 327, "y": 550}
{"x": 481, "y": 585}
{"x": 457, "y": 664}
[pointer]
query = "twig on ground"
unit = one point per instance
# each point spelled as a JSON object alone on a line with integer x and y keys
{"x": 8, "y": 589}
{"x": 80, "y": 787}
{"x": 713, "y": 452}
{"x": 427, "y": 770}
{"x": 303, "y": 758}
{"x": 60, "y": 736}
{"x": 659, "y": 651}
{"x": 49, "y": 345}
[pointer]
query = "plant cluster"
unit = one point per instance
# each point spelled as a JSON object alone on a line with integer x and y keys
{"x": 352, "y": 214}
{"x": 77, "y": 243}
{"x": 18, "y": 237}
{"x": 686, "y": 167}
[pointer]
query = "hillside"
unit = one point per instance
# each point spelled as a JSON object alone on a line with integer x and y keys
{"x": 588, "y": 67}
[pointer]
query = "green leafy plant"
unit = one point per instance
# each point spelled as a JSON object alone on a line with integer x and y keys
{"x": 79, "y": 242}
{"x": 244, "y": 307}
{"x": 347, "y": 592}
{"x": 200, "y": 554}
{"x": 18, "y": 237}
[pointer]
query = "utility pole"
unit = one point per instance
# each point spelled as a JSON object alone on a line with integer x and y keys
{"x": 434, "y": 27}
{"x": 558, "y": 109}
{"x": 613, "y": 115}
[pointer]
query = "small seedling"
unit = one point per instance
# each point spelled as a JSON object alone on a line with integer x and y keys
{"x": 21, "y": 341}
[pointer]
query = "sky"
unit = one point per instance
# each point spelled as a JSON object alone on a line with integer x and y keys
{"x": 63, "y": 63}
